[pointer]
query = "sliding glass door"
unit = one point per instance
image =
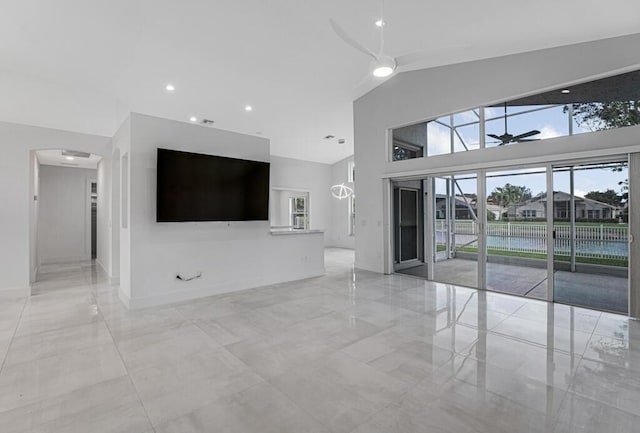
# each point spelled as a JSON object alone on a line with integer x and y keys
{"x": 517, "y": 232}
{"x": 590, "y": 230}
{"x": 558, "y": 233}
{"x": 455, "y": 225}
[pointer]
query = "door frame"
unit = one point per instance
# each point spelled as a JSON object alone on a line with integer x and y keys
{"x": 429, "y": 226}
{"x": 87, "y": 217}
{"x": 417, "y": 197}
{"x": 551, "y": 263}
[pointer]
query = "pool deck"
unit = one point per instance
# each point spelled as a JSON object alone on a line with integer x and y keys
{"x": 602, "y": 292}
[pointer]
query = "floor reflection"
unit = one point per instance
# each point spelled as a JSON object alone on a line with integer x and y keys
{"x": 349, "y": 352}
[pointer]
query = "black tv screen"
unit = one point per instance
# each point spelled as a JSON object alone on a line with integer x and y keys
{"x": 197, "y": 187}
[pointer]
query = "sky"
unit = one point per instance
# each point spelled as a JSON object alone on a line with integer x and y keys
{"x": 551, "y": 122}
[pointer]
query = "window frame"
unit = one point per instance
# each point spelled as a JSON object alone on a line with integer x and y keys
{"x": 294, "y": 213}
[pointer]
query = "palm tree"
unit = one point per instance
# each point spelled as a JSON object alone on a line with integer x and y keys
{"x": 510, "y": 195}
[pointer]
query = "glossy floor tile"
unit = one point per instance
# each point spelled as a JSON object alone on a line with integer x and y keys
{"x": 351, "y": 351}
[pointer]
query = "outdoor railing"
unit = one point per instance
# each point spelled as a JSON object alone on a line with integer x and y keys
{"x": 591, "y": 241}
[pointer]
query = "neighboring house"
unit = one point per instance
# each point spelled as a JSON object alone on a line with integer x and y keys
{"x": 464, "y": 209}
{"x": 586, "y": 209}
{"x": 496, "y": 210}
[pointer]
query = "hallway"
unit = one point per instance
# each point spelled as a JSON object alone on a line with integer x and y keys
{"x": 65, "y": 276}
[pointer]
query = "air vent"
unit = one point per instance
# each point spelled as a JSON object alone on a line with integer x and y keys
{"x": 75, "y": 154}
{"x": 70, "y": 164}
{"x": 341, "y": 141}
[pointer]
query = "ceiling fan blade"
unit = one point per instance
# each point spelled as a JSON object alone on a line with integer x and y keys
{"x": 494, "y": 136}
{"x": 350, "y": 41}
{"x": 411, "y": 58}
{"x": 526, "y": 134}
{"x": 420, "y": 56}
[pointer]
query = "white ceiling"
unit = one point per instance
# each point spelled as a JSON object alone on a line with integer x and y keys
{"x": 55, "y": 157}
{"x": 83, "y": 64}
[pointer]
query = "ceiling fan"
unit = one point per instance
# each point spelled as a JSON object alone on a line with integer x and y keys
{"x": 507, "y": 138}
{"x": 382, "y": 65}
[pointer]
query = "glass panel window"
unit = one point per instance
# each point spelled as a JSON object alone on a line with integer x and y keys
{"x": 556, "y": 113}
{"x": 459, "y": 132}
{"x": 591, "y": 255}
{"x": 409, "y": 142}
{"x": 298, "y": 213}
{"x": 524, "y": 123}
{"x": 516, "y": 230}
{"x": 439, "y": 137}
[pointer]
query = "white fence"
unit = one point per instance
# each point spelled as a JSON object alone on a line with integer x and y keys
{"x": 594, "y": 241}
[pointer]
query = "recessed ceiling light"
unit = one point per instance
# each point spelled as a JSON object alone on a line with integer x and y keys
{"x": 69, "y": 158}
{"x": 380, "y": 23}
{"x": 193, "y": 119}
{"x": 170, "y": 87}
{"x": 565, "y": 91}
{"x": 248, "y": 108}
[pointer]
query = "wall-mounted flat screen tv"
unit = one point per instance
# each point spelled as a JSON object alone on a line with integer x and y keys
{"x": 197, "y": 187}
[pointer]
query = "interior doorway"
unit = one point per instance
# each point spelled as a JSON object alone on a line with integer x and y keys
{"x": 66, "y": 218}
{"x": 93, "y": 200}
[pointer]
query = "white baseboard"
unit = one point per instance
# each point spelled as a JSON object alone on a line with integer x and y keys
{"x": 99, "y": 263}
{"x": 64, "y": 260}
{"x": 113, "y": 281}
{"x": 190, "y": 294}
{"x": 369, "y": 267}
{"x": 124, "y": 298}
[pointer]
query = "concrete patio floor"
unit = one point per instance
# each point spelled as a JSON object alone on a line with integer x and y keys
{"x": 602, "y": 292}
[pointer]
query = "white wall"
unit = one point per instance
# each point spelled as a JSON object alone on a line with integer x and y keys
{"x": 340, "y": 236}
{"x": 114, "y": 220}
{"x": 231, "y": 256}
{"x": 34, "y": 192}
{"x": 103, "y": 253}
{"x": 64, "y": 221}
{"x": 122, "y": 147}
{"x": 313, "y": 177}
{"x": 426, "y": 94}
{"x": 16, "y": 185}
{"x": 277, "y": 212}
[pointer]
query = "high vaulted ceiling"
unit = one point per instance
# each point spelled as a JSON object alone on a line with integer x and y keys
{"x": 82, "y": 65}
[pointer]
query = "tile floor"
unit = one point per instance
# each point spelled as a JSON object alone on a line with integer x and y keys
{"x": 352, "y": 351}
